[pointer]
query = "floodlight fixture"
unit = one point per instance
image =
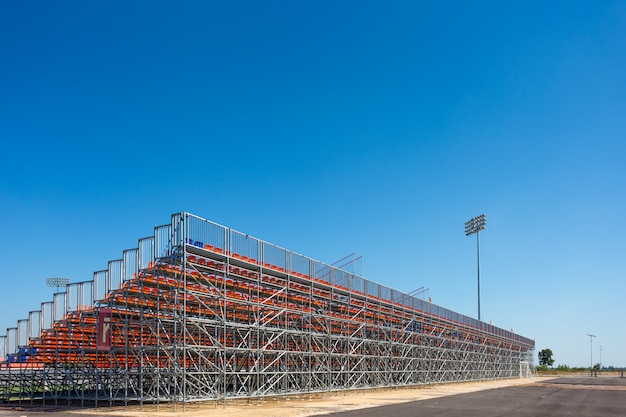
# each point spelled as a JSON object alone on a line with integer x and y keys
{"x": 57, "y": 282}
{"x": 474, "y": 226}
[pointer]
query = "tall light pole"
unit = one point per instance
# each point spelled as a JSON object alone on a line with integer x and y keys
{"x": 601, "y": 357}
{"x": 591, "y": 336}
{"x": 57, "y": 282}
{"x": 475, "y": 225}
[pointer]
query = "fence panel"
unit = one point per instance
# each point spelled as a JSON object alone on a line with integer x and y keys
{"x": 244, "y": 247}
{"x": 22, "y": 332}
{"x": 385, "y": 293}
{"x": 100, "y": 285}
{"x": 274, "y": 257}
{"x": 59, "y": 308}
{"x": 73, "y": 290}
{"x": 115, "y": 274}
{"x": 47, "y": 315}
{"x": 162, "y": 241}
{"x": 358, "y": 285}
{"x": 341, "y": 278}
{"x": 205, "y": 234}
{"x": 80, "y": 295}
{"x": 34, "y": 324}
{"x": 11, "y": 340}
{"x": 129, "y": 264}
{"x": 299, "y": 264}
{"x": 372, "y": 289}
{"x": 145, "y": 252}
{"x": 321, "y": 272}
{"x": 3, "y": 347}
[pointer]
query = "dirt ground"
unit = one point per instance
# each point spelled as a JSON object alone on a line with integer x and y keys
{"x": 317, "y": 404}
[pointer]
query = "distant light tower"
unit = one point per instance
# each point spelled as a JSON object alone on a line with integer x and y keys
{"x": 57, "y": 282}
{"x": 475, "y": 225}
{"x": 591, "y": 336}
{"x": 601, "y": 356}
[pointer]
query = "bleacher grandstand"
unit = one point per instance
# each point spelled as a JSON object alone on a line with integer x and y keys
{"x": 199, "y": 312}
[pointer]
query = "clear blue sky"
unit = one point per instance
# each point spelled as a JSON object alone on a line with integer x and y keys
{"x": 329, "y": 128}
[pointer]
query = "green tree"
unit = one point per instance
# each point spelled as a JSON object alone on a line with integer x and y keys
{"x": 545, "y": 357}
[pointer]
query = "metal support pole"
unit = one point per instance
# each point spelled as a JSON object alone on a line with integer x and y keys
{"x": 591, "y": 336}
{"x": 601, "y": 357}
{"x": 478, "y": 263}
{"x": 475, "y": 225}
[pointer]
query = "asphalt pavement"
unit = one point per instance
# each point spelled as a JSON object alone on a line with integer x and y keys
{"x": 560, "y": 397}
{"x": 563, "y": 397}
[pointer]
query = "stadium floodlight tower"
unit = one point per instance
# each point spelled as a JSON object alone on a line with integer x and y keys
{"x": 475, "y": 225}
{"x": 601, "y": 347}
{"x": 57, "y": 282}
{"x": 591, "y": 336}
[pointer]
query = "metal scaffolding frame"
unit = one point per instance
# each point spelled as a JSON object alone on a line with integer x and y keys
{"x": 200, "y": 312}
